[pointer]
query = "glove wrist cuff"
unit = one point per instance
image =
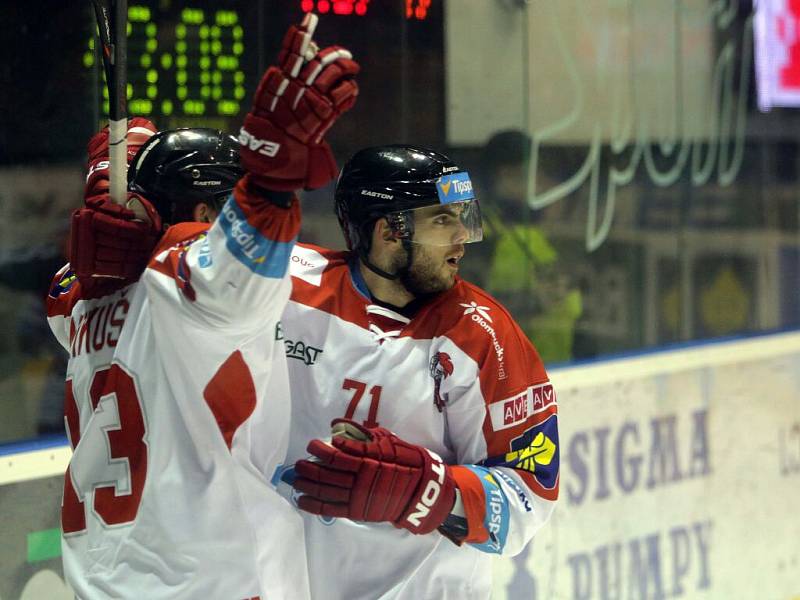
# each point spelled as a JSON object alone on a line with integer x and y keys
{"x": 265, "y": 189}
{"x": 433, "y": 501}
{"x": 456, "y": 527}
{"x": 473, "y": 502}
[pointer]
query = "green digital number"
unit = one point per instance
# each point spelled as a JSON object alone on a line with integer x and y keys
{"x": 190, "y": 68}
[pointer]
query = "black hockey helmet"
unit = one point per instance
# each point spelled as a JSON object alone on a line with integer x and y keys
{"x": 392, "y": 182}
{"x": 178, "y": 168}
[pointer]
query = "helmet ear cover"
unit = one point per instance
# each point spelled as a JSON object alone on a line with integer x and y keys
{"x": 401, "y": 224}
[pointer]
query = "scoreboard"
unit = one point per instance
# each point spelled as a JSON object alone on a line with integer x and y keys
{"x": 414, "y": 9}
{"x": 195, "y": 63}
{"x": 185, "y": 60}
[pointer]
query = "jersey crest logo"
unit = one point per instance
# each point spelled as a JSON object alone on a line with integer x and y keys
{"x": 473, "y": 307}
{"x": 535, "y": 451}
{"x": 538, "y": 451}
{"x": 441, "y": 367}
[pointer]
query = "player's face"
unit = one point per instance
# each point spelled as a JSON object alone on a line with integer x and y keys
{"x": 433, "y": 268}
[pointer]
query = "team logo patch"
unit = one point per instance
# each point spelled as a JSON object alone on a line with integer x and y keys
{"x": 63, "y": 284}
{"x": 517, "y": 409}
{"x": 456, "y": 187}
{"x": 535, "y": 451}
{"x": 441, "y": 367}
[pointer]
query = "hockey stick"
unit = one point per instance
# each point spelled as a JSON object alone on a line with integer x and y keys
{"x": 112, "y": 24}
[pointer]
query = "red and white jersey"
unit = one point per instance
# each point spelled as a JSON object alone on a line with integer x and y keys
{"x": 459, "y": 378}
{"x": 177, "y": 408}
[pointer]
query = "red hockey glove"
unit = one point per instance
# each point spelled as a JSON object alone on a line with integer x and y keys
{"x": 139, "y": 131}
{"x": 295, "y": 104}
{"x": 369, "y": 474}
{"x": 109, "y": 245}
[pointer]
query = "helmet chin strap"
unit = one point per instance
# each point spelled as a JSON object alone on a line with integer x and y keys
{"x": 385, "y": 274}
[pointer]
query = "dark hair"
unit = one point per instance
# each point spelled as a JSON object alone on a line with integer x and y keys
{"x": 507, "y": 147}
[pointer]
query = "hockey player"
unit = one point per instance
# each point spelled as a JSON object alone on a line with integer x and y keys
{"x": 177, "y": 405}
{"x": 445, "y": 447}
{"x": 445, "y": 442}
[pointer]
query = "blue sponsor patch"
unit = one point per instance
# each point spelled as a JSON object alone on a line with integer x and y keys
{"x": 497, "y": 512}
{"x": 455, "y": 188}
{"x": 509, "y": 481}
{"x": 260, "y": 254}
{"x": 204, "y": 258}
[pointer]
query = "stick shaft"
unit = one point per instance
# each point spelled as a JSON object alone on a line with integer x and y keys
{"x": 118, "y": 99}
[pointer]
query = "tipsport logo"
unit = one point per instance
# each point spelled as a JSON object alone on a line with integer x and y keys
{"x": 497, "y": 514}
{"x": 456, "y": 187}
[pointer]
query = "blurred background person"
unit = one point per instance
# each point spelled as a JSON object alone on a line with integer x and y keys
{"x": 523, "y": 265}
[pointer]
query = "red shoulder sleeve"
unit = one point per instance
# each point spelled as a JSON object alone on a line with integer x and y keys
{"x": 520, "y": 426}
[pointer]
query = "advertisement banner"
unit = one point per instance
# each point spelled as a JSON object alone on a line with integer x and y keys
{"x": 680, "y": 478}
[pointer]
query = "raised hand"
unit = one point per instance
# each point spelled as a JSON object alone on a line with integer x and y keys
{"x": 110, "y": 245}
{"x": 297, "y": 101}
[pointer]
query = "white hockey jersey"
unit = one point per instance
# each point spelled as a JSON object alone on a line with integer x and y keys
{"x": 177, "y": 408}
{"x": 459, "y": 378}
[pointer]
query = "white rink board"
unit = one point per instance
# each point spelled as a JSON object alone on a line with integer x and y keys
{"x": 680, "y": 478}
{"x": 730, "y": 534}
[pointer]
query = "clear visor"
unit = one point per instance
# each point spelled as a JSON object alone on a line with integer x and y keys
{"x": 440, "y": 224}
